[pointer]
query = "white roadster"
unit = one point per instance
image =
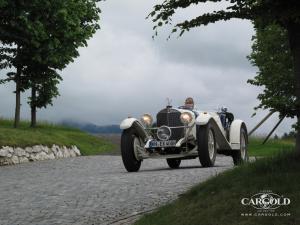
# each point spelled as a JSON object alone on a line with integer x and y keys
{"x": 180, "y": 134}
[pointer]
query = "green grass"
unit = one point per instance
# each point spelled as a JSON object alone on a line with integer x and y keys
{"x": 271, "y": 147}
{"x": 49, "y": 134}
{"x": 217, "y": 201}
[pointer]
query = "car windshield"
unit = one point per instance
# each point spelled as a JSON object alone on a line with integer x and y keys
{"x": 207, "y": 108}
{"x": 185, "y": 107}
{"x": 203, "y": 108}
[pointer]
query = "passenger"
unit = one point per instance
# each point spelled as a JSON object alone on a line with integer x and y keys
{"x": 222, "y": 115}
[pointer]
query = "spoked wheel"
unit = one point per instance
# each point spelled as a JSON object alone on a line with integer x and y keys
{"x": 206, "y": 145}
{"x": 129, "y": 150}
{"x": 241, "y": 156}
{"x": 174, "y": 163}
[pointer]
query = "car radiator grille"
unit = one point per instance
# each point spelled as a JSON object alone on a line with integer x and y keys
{"x": 171, "y": 118}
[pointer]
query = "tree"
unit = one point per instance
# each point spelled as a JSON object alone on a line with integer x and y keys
{"x": 43, "y": 85}
{"x": 265, "y": 12}
{"x": 70, "y": 32}
{"x": 12, "y": 57}
{"x": 14, "y": 36}
{"x": 45, "y": 42}
{"x": 271, "y": 54}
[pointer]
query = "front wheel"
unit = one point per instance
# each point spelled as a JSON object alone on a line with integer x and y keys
{"x": 174, "y": 163}
{"x": 206, "y": 145}
{"x": 129, "y": 144}
{"x": 241, "y": 156}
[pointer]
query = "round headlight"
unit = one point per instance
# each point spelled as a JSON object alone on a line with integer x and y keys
{"x": 164, "y": 133}
{"x": 186, "y": 117}
{"x": 147, "y": 119}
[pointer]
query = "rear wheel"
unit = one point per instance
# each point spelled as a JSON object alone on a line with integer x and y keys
{"x": 129, "y": 144}
{"x": 207, "y": 150}
{"x": 174, "y": 163}
{"x": 241, "y": 156}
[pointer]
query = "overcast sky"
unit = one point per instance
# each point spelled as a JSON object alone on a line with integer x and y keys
{"x": 123, "y": 71}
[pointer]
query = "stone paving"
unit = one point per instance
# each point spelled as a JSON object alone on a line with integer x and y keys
{"x": 93, "y": 190}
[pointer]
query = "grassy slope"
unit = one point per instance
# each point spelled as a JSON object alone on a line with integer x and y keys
{"x": 270, "y": 148}
{"x": 48, "y": 134}
{"x": 217, "y": 201}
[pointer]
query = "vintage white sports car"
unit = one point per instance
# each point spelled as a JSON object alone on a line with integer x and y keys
{"x": 179, "y": 134}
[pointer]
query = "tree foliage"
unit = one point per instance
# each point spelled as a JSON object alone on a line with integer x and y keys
{"x": 44, "y": 82}
{"x": 271, "y": 54}
{"x": 266, "y": 11}
{"x": 40, "y": 38}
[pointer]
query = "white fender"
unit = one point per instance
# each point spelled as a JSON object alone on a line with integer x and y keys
{"x": 235, "y": 133}
{"x": 127, "y": 123}
{"x": 203, "y": 118}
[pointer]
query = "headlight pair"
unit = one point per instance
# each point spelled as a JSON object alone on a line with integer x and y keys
{"x": 185, "y": 118}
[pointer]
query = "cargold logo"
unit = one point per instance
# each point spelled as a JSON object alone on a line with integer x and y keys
{"x": 266, "y": 201}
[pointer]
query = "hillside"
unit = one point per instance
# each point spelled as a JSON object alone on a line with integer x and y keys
{"x": 93, "y": 128}
{"x": 49, "y": 134}
{"x": 218, "y": 200}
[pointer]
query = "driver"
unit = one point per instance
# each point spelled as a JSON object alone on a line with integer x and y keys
{"x": 189, "y": 103}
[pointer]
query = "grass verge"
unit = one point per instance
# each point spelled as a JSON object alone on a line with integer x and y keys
{"x": 49, "y": 134}
{"x": 218, "y": 200}
{"x": 271, "y": 147}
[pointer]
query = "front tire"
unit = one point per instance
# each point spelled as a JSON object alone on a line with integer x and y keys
{"x": 207, "y": 148}
{"x": 241, "y": 156}
{"x": 174, "y": 163}
{"x": 129, "y": 139}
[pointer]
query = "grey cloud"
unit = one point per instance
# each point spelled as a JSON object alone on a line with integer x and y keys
{"x": 124, "y": 72}
{"x": 218, "y": 45}
{"x": 222, "y": 44}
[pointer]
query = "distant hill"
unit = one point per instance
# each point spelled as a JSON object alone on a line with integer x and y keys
{"x": 93, "y": 128}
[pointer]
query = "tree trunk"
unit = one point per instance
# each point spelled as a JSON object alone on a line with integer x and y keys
{"x": 18, "y": 98}
{"x": 294, "y": 38}
{"x": 33, "y": 106}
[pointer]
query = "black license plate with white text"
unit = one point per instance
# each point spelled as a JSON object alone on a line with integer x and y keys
{"x": 162, "y": 144}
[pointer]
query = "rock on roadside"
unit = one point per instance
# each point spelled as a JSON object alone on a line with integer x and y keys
{"x": 14, "y": 155}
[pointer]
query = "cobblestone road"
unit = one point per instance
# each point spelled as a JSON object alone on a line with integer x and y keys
{"x": 92, "y": 190}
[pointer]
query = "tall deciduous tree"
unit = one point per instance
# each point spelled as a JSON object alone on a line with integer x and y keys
{"x": 271, "y": 54}
{"x": 12, "y": 37}
{"x": 284, "y": 13}
{"x": 43, "y": 83}
{"x": 46, "y": 35}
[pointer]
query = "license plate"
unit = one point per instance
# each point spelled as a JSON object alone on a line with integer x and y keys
{"x": 161, "y": 144}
